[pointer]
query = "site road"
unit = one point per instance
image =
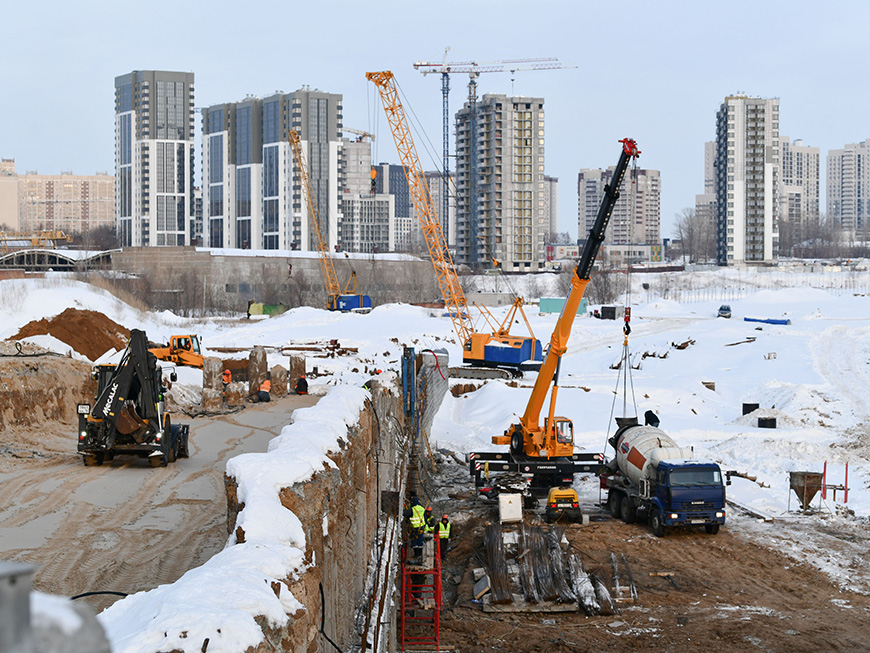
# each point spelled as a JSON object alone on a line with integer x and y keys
{"x": 123, "y": 526}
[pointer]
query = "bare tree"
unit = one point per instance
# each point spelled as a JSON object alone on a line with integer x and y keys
{"x": 603, "y": 287}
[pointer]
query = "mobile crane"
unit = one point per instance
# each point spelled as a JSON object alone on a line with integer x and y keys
{"x": 545, "y": 452}
{"x": 493, "y": 350}
{"x": 349, "y": 299}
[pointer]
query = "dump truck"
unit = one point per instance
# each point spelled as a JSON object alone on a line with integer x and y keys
{"x": 652, "y": 478}
{"x": 128, "y": 416}
{"x": 181, "y": 350}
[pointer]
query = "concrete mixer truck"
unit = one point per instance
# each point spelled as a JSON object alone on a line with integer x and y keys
{"x": 654, "y": 479}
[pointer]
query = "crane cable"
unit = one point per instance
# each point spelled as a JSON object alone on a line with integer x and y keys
{"x": 625, "y": 360}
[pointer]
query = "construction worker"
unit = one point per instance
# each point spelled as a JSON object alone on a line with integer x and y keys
{"x": 302, "y": 386}
{"x": 443, "y": 533}
{"x": 226, "y": 378}
{"x": 418, "y": 525}
{"x": 265, "y": 389}
{"x": 429, "y": 520}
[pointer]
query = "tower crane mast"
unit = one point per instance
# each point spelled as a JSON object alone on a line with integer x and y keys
{"x": 473, "y": 68}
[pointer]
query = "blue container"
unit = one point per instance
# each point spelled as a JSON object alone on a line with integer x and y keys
{"x": 353, "y": 302}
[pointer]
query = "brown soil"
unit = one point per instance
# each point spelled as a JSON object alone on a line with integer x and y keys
{"x": 732, "y": 593}
{"x": 90, "y": 334}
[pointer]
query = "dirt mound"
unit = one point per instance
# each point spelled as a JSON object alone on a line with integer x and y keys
{"x": 91, "y": 334}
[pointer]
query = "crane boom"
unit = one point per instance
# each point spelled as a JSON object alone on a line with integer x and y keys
{"x": 528, "y": 437}
{"x": 442, "y": 261}
{"x": 330, "y": 279}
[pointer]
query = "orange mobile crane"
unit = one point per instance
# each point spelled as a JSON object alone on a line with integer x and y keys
{"x": 546, "y": 452}
{"x": 337, "y": 299}
{"x": 494, "y": 350}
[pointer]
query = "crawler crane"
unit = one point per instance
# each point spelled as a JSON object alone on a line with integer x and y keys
{"x": 337, "y": 299}
{"x": 545, "y": 452}
{"x": 493, "y": 350}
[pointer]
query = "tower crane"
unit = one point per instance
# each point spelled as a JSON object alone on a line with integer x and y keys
{"x": 359, "y": 132}
{"x": 337, "y": 299}
{"x": 499, "y": 349}
{"x": 474, "y": 69}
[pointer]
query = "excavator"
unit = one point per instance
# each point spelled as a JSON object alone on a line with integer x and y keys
{"x": 128, "y": 416}
{"x": 545, "y": 453}
{"x": 500, "y": 352}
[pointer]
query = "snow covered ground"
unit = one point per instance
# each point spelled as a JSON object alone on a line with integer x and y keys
{"x": 810, "y": 374}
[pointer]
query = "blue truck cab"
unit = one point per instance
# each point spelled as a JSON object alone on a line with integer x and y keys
{"x": 687, "y": 493}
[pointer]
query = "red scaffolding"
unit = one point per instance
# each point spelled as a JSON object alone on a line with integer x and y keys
{"x": 420, "y": 613}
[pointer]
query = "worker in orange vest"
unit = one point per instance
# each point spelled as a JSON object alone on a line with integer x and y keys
{"x": 226, "y": 378}
{"x": 265, "y": 389}
{"x": 302, "y": 386}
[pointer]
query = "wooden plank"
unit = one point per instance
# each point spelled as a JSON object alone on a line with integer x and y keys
{"x": 481, "y": 587}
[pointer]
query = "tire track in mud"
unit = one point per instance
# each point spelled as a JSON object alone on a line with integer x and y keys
{"x": 98, "y": 533}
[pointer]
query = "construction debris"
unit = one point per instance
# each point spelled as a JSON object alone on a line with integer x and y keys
{"x": 583, "y": 587}
{"x": 682, "y": 345}
{"x": 667, "y": 575}
{"x": 496, "y": 566}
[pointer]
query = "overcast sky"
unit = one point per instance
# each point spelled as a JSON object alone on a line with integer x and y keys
{"x": 653, "y": 71}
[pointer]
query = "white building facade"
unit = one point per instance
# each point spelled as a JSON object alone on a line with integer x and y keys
{"x": 747, "y": 180}
{"x": 848, "y": 187}
{"x": 636, "y": 216}
{"x": 154, "y": 150}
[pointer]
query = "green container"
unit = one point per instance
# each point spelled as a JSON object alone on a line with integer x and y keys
{"x": 555, "y": 304}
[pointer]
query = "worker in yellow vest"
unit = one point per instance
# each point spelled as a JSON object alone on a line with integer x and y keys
{"x": 429, "y": 521}
{"x": 417, "y": 521}
{"x": 443, "y": 533}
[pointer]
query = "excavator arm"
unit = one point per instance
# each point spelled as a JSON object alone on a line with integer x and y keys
{"x": 528, "y": 436}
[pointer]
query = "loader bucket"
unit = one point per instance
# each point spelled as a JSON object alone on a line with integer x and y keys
{"x": 806, "y": 485}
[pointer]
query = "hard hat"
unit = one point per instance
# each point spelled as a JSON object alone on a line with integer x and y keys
{"x": 444, "y": 517}
{"x": 302, "y": 377}
{"x": 429, "y": 509}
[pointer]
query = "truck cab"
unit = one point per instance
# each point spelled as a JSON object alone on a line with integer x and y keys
{"x": 687, "y": 493}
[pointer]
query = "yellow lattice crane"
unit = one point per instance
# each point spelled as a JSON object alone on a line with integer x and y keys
{"x": 337, "y": 299}
{"x": 480, "y": 349}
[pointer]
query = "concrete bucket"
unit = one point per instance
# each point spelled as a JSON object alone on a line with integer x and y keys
{"x": 806, "y": 485}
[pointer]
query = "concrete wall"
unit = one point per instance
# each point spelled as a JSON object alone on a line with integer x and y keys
{"x": 179, "y": 277}
{"x": 350, "y": 515}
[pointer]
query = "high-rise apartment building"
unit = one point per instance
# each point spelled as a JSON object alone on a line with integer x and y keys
{"x": 551, "y": 204}
{"x": 848, "y": 186}
{"x": 391, "y": 180}
{"x": 501, "y": 211}
{"x": 437, "y": 188}
{"x": 252, "y": 194}
{"x": 799, "y": 189}
{"x": 154, "y": 123}
{"x": 368, "y": 223}
{"x": 66, "y": 202}
{"x": 747, "y": 180}
{"x": 636, "y": 217}
{"x": 705, "y": 203}
{"x": 8, "y": 195}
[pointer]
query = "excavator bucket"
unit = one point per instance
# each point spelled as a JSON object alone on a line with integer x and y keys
{"x": 129, "y": 422}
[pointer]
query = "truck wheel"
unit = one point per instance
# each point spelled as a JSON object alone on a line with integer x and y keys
{"x": 712, "y": 529}
{"x": 614, "y": 503}
{"x": 655, "y": 520}
{"x": 627, "y": 511}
